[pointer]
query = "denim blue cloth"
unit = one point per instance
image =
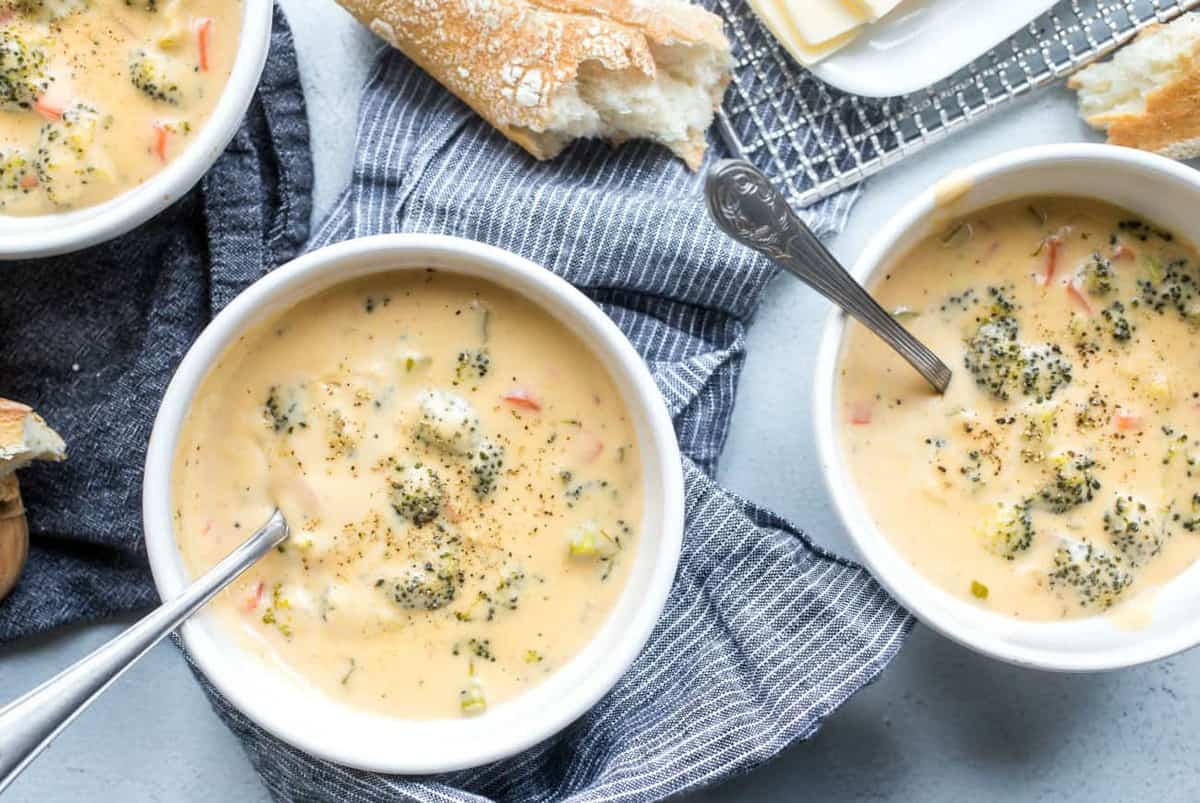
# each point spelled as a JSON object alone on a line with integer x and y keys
{"x": 91, "y": 340}
{"x": 764, "y": 634}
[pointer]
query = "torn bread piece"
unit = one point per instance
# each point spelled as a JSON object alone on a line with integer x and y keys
{"x": 25, "y": 437}
{"x": 1148, "y": 95}
{"x": 547, "y": 72}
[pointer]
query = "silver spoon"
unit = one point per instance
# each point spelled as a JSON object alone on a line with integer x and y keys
{"x": 30, "y": 723}
{"x": 748, "y": 208}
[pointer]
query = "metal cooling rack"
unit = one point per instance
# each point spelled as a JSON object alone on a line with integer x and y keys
{"x": 814, "y": 140}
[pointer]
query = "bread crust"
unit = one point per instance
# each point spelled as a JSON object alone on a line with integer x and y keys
{"x": 1170, "y": 122}
{"x": 12, "y": 426}
{"x": 507, "y": 59}
{"x": 24, "y": 437}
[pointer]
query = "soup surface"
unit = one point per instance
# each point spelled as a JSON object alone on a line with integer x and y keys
{"x": 460, "y": 476}
{"x": 96, "y": 96}
{"x": 1058, "y": 476}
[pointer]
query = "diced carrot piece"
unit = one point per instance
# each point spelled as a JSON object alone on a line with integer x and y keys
{"x": 161, "y": 133}
{"x": 47, "y": 108}
{"x": 1079, "y": 298}
{"x": 860, "y": 413}
{"x": 1052, "y": 243}
{"x": 29, "y": 181}
{"x": 593, "y": 449}
{"x": 522, "y": 399}
{"x": 1126, "y": 420}
{"x": 254, "y": 598}
{"x": 204, "y": 28}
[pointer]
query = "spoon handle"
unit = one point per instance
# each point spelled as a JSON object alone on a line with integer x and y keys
{"x": 28, "y": 724}
{"x": 748, "y": 208}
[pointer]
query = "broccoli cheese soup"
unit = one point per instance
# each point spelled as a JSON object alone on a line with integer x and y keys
{"x": 96, "y": 96}
{"x": 1059, "y": 475}
{"x": 461, "y": 480}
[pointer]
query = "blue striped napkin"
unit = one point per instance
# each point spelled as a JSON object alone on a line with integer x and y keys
{"x": 764, "y": 633}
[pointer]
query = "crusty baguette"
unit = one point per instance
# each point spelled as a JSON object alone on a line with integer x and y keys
{"x": 1148, "y": 95}
{"x": 546, "y": 72}
{"x": 25, "y": 437}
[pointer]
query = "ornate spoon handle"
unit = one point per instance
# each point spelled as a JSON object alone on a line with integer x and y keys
{"x": 748, "y": 208}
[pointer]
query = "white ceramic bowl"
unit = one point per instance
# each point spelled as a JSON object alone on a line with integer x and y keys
{"x": 1162, "y": 191}
{"x": 304, "y": 716}
{"x": 63, "y": 232}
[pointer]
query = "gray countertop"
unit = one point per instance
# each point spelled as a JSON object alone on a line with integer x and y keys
{"x": 942, "y": 724}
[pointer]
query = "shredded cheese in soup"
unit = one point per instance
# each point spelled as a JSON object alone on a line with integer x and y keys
{"x": 460, "y": 476}
{"x": 96, "y": 96}
{"x": 1059, "y": 475}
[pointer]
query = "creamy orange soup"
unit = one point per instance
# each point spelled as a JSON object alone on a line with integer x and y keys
{"x": 97, "y": 96}
{"x": 1058, "y": 476}
{"x": 461, "y": 479}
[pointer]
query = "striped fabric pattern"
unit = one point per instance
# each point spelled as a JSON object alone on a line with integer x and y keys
{"x": 764, "y": 633}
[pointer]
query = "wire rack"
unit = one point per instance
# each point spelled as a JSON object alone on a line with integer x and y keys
{"x": 815, "y": 141}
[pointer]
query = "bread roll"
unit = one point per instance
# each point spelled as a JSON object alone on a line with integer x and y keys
{"x": 25, "y": 437}
{"x": 546, "y": 72}
{"x": 1148, "y": 95}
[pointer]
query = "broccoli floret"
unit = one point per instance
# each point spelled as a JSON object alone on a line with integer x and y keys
{"x": 1132, "y": 530}
{"x": 1191, "y": 523}
{"x": 995, "y": 358}
{"x": 1010, "y": 530}
{"x": 1096, "y": 576}
{"x": 151, "y": 75}
{"x": 417, "y": 494}
{"x": 508, "y": 589}
{"x": 48, "y": 10}
{"x": 1118, "y": 325}
{"x": 1074, "y": 483}
{"x": 1039, "y": 421}
{"x": 448, "y": 422}
{"x": 424, "y": 584}
{"x": 1097, "y": 276}
{"x": 15, "y": 173}
{"x": 1093, "y": 413}
{"x": 487, "y": 461}
{"x": 284, "y": 410}
{"x": 23, "y": 75}
{"x": 1044, "y": 371}
{"x": 68, "y": 156}
{"x": 1170, "y": 286}
{"x": 473, "y": 365}
{"x": 1003, "y": 366}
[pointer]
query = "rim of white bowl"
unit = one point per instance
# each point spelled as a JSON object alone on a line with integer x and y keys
{"x": 991, "y": 634}
{"x": 567, "y": 693}
{"x": 29, "y": 237}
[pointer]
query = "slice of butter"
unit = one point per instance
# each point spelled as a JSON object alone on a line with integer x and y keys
{"x": 820, "y": 21}
{"x": 877, "y": 8}
{"x": 779, "y": 22}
